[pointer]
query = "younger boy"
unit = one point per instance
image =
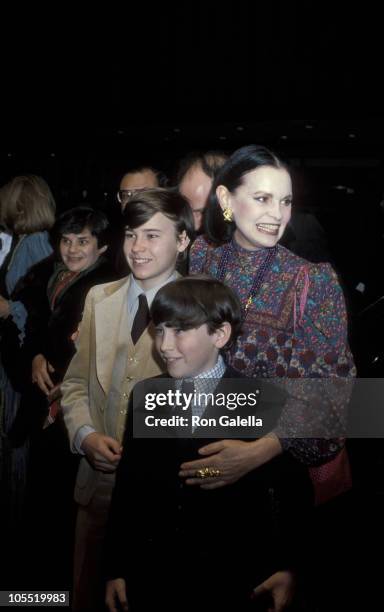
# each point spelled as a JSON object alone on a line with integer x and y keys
{"x": 114, "y": 350}
{"x": 178, "y": 547}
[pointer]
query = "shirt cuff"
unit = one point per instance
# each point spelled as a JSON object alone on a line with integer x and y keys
{"x": 19, "y": 315}
{"x": 80, "y": 436}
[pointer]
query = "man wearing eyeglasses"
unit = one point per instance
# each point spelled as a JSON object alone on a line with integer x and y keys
{"x": 143, "y": 177}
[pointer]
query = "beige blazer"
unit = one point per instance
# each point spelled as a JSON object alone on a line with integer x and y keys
{"x": 103, "y": 371}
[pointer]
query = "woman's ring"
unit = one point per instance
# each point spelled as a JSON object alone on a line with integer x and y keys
{"x": 207, "y": 472}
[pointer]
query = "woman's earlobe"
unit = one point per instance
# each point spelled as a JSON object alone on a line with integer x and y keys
{"x": 184, "y": 241}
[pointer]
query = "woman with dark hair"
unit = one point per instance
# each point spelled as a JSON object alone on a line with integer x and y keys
{"x": 294, "y": 318}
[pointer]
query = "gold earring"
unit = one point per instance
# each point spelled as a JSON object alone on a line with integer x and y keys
{"x": 228, "y": 214}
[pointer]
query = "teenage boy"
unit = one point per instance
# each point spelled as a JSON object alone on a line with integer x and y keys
{"x": 174, "y": 547}
{"x": 114, "y": 350}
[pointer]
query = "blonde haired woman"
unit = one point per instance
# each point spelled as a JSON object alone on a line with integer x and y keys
{"x": 27, "y": 213}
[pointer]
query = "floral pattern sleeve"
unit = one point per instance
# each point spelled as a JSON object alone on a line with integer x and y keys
{"x": 197, "y": 255}
{"x": 295, "y": 332}
{"x": 319, "y": 351}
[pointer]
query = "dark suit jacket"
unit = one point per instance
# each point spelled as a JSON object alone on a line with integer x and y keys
{"x": 48, "y": 332}
{"x": 155, "y": 516}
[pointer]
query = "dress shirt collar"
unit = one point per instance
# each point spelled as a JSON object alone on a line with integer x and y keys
{"x": 135, "y": 290}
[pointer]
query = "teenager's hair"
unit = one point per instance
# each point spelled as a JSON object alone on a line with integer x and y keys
{"x": 230, "y": 175}
{"x": 27, "y": 205}
{"x": 77, "y": 219}
{"x": 145, "y": 204}
{"x": 189, "y": 302}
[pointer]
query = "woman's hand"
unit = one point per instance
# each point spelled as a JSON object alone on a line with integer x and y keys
{"x": 41, "y": 368}
{"x": 116, "y": 593}
{"x": 281, "y": 588}
{"x": 232, "y": 458}
{"x": 5, "y": 310}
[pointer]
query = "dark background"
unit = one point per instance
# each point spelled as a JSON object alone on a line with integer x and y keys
{"x": 86, "y": 96}
{"x": 337, "y": 167}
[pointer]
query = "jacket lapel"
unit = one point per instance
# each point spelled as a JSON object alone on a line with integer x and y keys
{"x": 108, "y": 314}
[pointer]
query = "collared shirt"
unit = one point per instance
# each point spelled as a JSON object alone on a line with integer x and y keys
{"x": 205, "y": 383}
{"x": 134, "y": 290}
{"x": 5, "y": 245}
